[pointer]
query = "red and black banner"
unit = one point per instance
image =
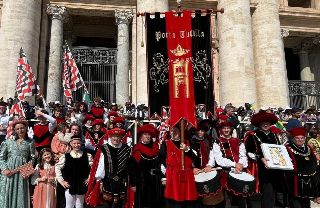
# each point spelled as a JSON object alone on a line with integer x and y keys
{"x": 179, "y": 55}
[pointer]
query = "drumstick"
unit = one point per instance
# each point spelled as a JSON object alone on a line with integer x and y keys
{"x": 212, "y": 169}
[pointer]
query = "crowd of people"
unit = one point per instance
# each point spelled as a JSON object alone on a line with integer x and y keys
{"x": 88, "y": 154}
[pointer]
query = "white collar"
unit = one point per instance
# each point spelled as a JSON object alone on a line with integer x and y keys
{"x": 175, "y": 140}
{"x": 119, "y": 146}
{"x": 226, "y": 137}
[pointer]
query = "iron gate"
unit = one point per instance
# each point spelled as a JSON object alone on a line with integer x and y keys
{"x": 98, "y": 68}
{"x": 304, "y": 94}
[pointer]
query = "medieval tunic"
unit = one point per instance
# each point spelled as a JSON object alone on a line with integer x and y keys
{"x": 303, "y": 181}
{"x": 74, "y": 167}
{"x": 98, "y": 112}
{"x": 14, "y": 191}
{"x": 254, "y": 151}
{"x": 44, "y": 193}
{"x": 175, "y": 189}
{"x": 226, "y": 153}
{"x": 112, "y": 170}
{"x": 145, "y": 175}
{"x": 202, "y": 147}
{"x": 93, "y": 140}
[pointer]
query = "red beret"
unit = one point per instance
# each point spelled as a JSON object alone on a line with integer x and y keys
{"x": 116, "y": 131}
{"x": 219, "y": 110}
{"x": 222, "y": 117}
{"x": 259, "y": 118}
{"x": 226, "y": 123}
{"x": 157, "y": 131}
{"x": 112, "y": 113}
{"x": 298, "y": 131}
{"x": 88, "y": 117}
{"x": 118, "y": 119}
{"x": 97, "y": 122}
{"x": 146, "y": 129}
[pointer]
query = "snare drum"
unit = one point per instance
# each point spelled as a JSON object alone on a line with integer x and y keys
{"x": 242, "y": 183}
{"x": 208, "y": 183}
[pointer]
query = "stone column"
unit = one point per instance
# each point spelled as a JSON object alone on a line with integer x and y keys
{"x": 315, "y": 4}
{"x": 305, "y": 69}
{"x": 237, "y": 78}
{"x": 144, "y": 6}
{"x": 20, "y": 27}
{"x": 123, "y": 19}
{"x": 54, "y": 86}
{"x": 271, "y": 75}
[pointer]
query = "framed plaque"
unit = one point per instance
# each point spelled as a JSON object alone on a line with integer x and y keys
{"x": 278, "y": 156}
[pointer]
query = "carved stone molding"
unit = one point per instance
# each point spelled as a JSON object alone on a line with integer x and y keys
{"x": 284, "y": 33}
{"x": 123, "y": 16}
{"x": 57, "y": 12}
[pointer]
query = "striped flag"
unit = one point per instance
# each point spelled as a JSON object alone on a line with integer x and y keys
{"x": 15, "y": 113}
{"x": 72, "y": 79}
{"x": 26, "y": 81}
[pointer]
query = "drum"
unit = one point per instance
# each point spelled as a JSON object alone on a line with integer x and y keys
{"x": 208, "y": 183}
{"x": 243, "y": 183}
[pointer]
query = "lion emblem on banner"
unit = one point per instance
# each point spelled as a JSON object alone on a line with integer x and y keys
{"x": 159, "y": 72}
{"x": 201, "y": 69}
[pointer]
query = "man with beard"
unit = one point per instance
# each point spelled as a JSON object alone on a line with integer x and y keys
{"x": 145, "y": 175}
{"x": 270, "y": 180}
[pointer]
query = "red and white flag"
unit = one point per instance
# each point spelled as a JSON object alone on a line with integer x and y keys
{"x": 72, "y": 79}
{"x": 16, "y": 112}
{"x": 26, "y": 81}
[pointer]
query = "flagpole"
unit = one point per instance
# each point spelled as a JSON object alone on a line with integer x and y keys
{"x": 182, "y": 142}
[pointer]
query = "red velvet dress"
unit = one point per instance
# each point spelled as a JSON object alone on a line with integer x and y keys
{"x": 175, "y": 189}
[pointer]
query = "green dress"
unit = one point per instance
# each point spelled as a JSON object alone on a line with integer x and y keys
{"x": 14, "y": 191}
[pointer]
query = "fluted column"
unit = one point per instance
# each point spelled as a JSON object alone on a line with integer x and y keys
{"x": 123, "y": 19}
{"x": 141, "y": 87}
{"x": 237, "y": 78}
{"x": 269, "y": 57}
{"x": 305, "y": 69}
{"x": 54, "y": 87}
{"x": 20, "y": 27}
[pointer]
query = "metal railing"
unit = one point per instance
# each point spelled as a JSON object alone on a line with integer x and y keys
{"x": 304, "y": 93}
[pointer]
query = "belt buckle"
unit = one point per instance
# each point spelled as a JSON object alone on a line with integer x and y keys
{"x": 116, "y": 178}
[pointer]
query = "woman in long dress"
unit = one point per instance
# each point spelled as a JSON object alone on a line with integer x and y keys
{"x": 44, "y": 178}
{"x": 14, "y": 152}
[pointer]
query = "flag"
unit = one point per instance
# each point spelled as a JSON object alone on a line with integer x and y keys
{"x": 72, "y": 79}
{"x": 15, "y": 113}
{"x": 158, "y": 62}
{"x": 86, "y": 97}
{"x": 26, "y": 81}
{"x": 181, "y": 89}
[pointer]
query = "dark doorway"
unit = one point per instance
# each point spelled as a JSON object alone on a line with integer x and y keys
{"x": 293, "y": 65}
{"x": 300, "y": 3}
{"x": 95, "y": 42}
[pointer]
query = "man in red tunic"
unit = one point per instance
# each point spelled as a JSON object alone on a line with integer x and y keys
{"x": 180, "y": 184}
{"x": 97, "y": 110}
{"x": 229, "y": 153}
{"x": 43, "y": 130}
{"x": 96, "y": 137}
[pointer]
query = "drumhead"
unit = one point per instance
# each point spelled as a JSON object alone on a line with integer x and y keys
{"x": 202, "y": 177}
{"x": 242, "y": 176}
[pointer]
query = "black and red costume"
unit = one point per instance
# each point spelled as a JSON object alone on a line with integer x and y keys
{"x": 145, "y": 175}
